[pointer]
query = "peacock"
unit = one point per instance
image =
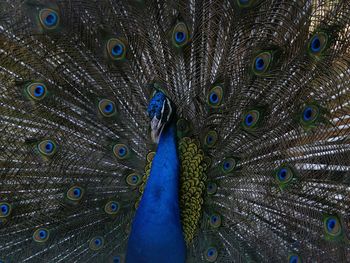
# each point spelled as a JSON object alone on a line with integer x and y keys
{"x": 151, "y": 131}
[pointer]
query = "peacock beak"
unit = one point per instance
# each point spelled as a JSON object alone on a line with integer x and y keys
{"x": 157, "y": 127}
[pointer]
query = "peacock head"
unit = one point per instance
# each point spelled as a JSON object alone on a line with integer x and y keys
{"x": 160, "y": 111}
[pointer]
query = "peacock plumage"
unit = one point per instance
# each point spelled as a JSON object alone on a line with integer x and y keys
{"x": 175, "y": 131}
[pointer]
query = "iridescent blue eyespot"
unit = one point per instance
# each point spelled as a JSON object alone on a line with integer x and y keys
{"x": 215, "y": 96}
{"x": 180, "y": 34}
{"x": 251, "y": 119}
{"x": 180, "y": 37}
{"x": 41, "y": 235}
{"x": 261, "y": 62}
{"x": 332, "y": 226}
{"x": 228, "y": 165}
{"x": 210, "y": 139}
{"x": 211, "y": 188}
{"x": 121, "y": 151}
{"x": 133, "y": 179}
{"x": 211, "y": 254}
{"x": 116, "y": 49}
{"x": 96, "y": 243}
{"x": 310, "y": 115}
{"x": 112, "y": 207}
{"x": 294, "y": 259}
{"x": 307, "y": 114}
{"x": 215, "y": 220}
{"x": 284, "y": 174}
{"x": 116, "y": 259}
{"x": 245, "y": 3}
{"x": 315, "y": 44}
{"x": 36, "y": 91}
{"x": 47, "y": 147}
{"x": 75, "y": 193}
{"x": 48, "y": 18}
{"x": 318, "y": 43}
{"x": 39, "y": 91}
{"x": 107, "y": 107}
{"x": 5, "y": 209}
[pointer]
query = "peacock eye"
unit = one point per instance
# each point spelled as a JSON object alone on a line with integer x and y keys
{"x": 41, "y": 235}
{"x": 318, "y": 43}
{"x": 310, "y": 113}
{"x": 116, "y": 259}
{"x": 96, "y": 243}
{"x": 133, "y": 179}
{"x": 5, "y": 209}
{"x": 75, "y": 193}
{"x": 180, "y": 34}
{"x": 121, "y": 151}
{"x": 245, "y": 3}
{"x": 215, "y": 96}
{"x": 36, "y": 91}
{"x": 228, "y": 165}
{"x": 116, "y": 49}
{"x": 294, "y": 259}
{"x": 251, "y": 119}
{"x": 332, "y": 226}
{"x": 211, "y": 188}
{"x": 47, "y": 147}
{"x": 112, "y": 207}
{"x": 211, "y": 254}
{"x": 210, "y": 139}
{"x": 261, "y": 63}
{"x": 215, "y": 220}
{"x": 107, "y": 107}
{"x": 284, "y": 174}
{"x": 48, "y": 18}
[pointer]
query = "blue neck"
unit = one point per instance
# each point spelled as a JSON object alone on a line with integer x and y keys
{"x": 156, "y": 234}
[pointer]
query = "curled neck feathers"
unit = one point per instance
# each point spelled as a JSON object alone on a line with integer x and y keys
{"x": 156, "y": 234}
